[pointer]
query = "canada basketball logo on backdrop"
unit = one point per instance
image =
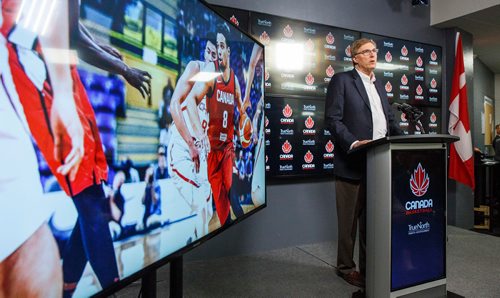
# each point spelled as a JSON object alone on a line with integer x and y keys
{"x": 308, "y": 157}
{"x": 286, "y": 148}
{"x": 309, "y": 122}
{"x": 329, "y": 150}
{"x": 309, "y": 79}
{"x": 348, "y": 51}
{"x": 388, "y": 57}
{"x": 264, "y": 38}
{"x": 330, "y": 71}
{"x": 388, "y": 87}
{"x": 287, "y": 112}
{"x": 419, "y": 181}
{"x": 330, "y": 39}
{"x": 309, "y": 45}
{"x": 287, "y": 31}
{"x": 234, "y": 20}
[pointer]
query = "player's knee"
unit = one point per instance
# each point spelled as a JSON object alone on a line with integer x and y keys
{"x": 35, "y": 267}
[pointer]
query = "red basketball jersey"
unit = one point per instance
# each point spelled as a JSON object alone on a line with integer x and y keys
{"x": 221, "y": 113}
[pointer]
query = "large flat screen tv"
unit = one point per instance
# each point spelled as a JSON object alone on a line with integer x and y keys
{"x": 170, "y": 97}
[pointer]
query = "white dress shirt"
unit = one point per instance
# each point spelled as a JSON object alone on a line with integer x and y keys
{"x": 378, "y": 117}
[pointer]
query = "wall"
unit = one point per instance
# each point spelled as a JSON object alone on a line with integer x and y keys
{"x": 484, "y": 85}
{"x": 445, "y": 10}
{"x": 304, "y": 212}
{"x": 497, "y": 98}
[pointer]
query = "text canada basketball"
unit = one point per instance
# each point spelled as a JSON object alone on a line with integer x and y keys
{"x": 224, "y": 97}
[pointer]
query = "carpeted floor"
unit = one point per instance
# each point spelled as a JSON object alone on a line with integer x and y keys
{"x": 473, "y": 270}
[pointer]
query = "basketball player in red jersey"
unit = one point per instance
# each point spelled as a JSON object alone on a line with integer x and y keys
{"x": 90, "y": 240}
{"x": 223, "y": 93}
{"x": 29, "y": 260}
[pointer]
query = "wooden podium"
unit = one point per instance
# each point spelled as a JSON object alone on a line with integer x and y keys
{"x": 406, "y": 215}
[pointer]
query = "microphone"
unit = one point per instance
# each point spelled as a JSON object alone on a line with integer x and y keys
{"x": 412, "y": 113}
{"x": 408, "y": 109}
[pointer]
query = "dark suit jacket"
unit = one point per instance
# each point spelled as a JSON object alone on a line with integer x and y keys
{"x": 348, "y": 116}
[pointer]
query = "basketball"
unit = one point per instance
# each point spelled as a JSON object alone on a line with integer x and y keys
{"x": 245, "y": 130}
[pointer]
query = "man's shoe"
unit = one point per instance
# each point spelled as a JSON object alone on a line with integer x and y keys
{"x": 359, "y": 294}
{"x": 353, "y": 277}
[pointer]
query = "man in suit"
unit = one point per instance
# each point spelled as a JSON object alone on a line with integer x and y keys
{"x": 357, "y": 111}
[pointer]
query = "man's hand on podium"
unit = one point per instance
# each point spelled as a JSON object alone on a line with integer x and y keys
{"x": 360, "y": 143}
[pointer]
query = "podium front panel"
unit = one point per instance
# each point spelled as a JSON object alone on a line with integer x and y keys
{"x": 418, "y": 225}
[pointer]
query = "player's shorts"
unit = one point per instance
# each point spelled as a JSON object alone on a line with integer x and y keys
{"x": 22, "y": 210}
{"x": 220, "y": 176}
{"x": 192, "y": 186}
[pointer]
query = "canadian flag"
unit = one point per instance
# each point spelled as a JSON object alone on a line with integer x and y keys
{"x": 461, "y": 154}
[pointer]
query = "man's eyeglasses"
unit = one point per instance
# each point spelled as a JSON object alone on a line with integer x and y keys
{"x": 367, "y": 52}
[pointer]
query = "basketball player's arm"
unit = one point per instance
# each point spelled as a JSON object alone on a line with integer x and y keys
{"x": 199, "y": 90}
{"x": 181, "y": 91}
{"x": 90, "y": 51}
{"x": 237, "y": 96}
{"x": 255, "y": 120}
{"x": 64, "y": 119}
{"x": 254, "y": 58}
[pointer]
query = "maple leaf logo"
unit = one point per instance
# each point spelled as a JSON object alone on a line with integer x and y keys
{"x": 404, "y": 80}
{"x": 388, "y": 87}
{"x": 348, "y": 51}
{"x": 420, "y": 62}
{"x": 434, "y": 56}
{"x": 287, "y": 111}
{"x": 434, "y": 83}
{"x": 308, "y": 157}
{"x": 388, "y": 57}
{"x": 404, "y": 51}
{"x": 286, "y": 147}
{"x": 234, "y": 20}
{"x": 419, "y": 181}
{"x": 309, "y": 79}
{"x": 419, "y": 90}
{"x": 433, "y": 118}
{"x": 264, "y": 38}
{"x": 309, "y": 45}
{"x": 329, "y": 146}
{"x": 309, "y": 122}
{"x": 288, "y": 31}
{"x": 329, "y": 38}
{"x": 330, "y": 71}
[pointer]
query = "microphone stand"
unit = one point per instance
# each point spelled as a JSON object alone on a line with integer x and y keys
{"x": 414, "y": 119}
